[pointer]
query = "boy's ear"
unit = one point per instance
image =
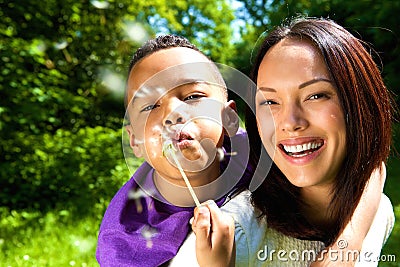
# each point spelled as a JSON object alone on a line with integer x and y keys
{"x": 135, "y": 148}
{"x": 230, "y": 118}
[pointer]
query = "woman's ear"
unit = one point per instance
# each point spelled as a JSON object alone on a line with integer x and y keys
{"x": 230, "y": 118}
{"x": 132, "y": 143}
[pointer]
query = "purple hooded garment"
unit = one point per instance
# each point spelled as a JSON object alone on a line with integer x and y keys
{"x": 143, "y": 231}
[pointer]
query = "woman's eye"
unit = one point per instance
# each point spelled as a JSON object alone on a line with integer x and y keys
{"x": 317, "y": 96}
{"x": 149, "y": 107}
{"x": 268, "y": 102}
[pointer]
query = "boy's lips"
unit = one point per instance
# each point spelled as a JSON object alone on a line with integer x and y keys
{"x": 182, "y": 139}
{"x": 182, "y": 136}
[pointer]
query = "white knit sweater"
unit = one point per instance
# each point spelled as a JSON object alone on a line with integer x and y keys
{"x": 258, "y": 245}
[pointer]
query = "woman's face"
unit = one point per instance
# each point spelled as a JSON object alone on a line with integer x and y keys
{"x": 304, "y": 131}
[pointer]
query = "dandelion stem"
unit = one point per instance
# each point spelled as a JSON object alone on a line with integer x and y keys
{"x": 170, "y": 149}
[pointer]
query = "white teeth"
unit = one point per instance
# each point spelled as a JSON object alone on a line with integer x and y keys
{"x": 303, "y": 147}
{"x": 301, "y": 155}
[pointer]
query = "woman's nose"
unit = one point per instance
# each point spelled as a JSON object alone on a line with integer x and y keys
{"x": 292, "y": 118}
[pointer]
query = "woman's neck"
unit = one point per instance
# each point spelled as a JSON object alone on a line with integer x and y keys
{"x": 316, "y": 209}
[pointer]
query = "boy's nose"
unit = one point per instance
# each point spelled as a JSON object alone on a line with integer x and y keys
{"x": 174, "y": 119}
{"x": 175, "y": 112}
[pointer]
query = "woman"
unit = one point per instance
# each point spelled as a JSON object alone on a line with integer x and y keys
{"x": 324, "y": 116}
{"x": 332, "y": 119}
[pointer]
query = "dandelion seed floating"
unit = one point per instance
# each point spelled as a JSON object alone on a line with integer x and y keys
{"x": 169, "y": 148}
{"x": 136, "y": 195}
{"x": 62, "y": 44}
{"x": 100, "y": 4}
{"x": 148, "y": 233}
{"x": 221, "y": 154}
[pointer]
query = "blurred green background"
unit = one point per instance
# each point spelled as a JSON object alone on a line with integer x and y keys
{"x": 63, "y": 69}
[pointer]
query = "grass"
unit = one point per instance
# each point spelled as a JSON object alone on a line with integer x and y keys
{"x": 54, "y": 239}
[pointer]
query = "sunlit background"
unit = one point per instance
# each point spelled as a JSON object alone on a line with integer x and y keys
{"x": 63, "y": 70}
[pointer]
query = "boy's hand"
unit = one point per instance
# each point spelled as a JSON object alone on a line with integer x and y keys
{"x": 215, "y": 234}
{"x": 357, "y": 228}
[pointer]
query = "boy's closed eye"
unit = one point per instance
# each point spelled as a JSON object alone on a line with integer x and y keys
{"x": 194, "y": 97}
{"x": 149, "y": 107}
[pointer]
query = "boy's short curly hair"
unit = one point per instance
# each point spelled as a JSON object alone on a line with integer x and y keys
{"x": 159, "y": 43}
{"x": 165, "y": 42}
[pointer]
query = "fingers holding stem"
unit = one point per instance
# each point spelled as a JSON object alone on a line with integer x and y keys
{"x": 215, "y": 233}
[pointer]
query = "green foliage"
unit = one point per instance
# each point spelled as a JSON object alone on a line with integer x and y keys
{"x": 62, "y": 168}
{"x": 205, "y": 24}
{"x": 392, "y": 191}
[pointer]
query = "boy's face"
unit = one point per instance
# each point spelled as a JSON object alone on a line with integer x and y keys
{"x": 174, "y": 99}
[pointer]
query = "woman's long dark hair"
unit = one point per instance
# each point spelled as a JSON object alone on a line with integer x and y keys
{"x": 366, "y": 104}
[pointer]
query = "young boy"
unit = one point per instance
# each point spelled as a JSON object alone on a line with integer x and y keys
{"x": 177, "y": 99}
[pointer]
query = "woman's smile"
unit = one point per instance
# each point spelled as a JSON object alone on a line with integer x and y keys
{"x": 301, "y": 150}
